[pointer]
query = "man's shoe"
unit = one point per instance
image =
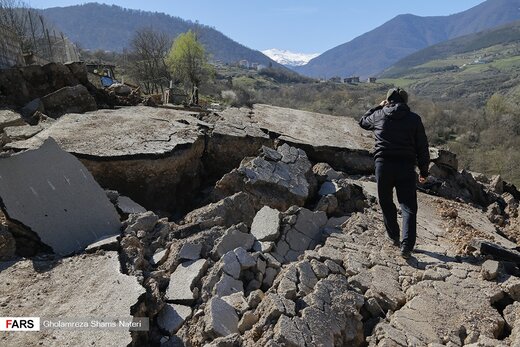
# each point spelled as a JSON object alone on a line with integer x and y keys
{"x": 395, "y": 242}
{"x": 406, "y": 252}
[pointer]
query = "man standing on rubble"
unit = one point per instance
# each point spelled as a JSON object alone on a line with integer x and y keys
{"x": 401, "y": 143}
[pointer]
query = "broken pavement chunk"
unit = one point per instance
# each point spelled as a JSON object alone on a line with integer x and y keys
{"x": 110, "y": 243}
{"x": 172, "y": 317}
{"x": 266, "y": 224}
{"x": 61, "y": 202}
{"x": 498, "y": 252}
{"x": 190, "y": 251}
{"x": 183, "y": 280}
{"x": 220, "y": 318}
{"x": 278, "y": 184}
{"x": 233, "y": 238}
{"x": 129, "y": 206}
{"x": 9, "y": 118}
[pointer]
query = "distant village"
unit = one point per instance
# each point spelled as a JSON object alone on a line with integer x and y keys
{"x": 350, "y": 80}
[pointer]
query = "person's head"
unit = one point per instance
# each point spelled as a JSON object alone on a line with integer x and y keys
{"x": 397, "y": 95}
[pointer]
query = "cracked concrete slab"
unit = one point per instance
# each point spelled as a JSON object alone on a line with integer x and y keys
{"x": 61, "y": 203}
{"x": 339, "y": 141}
{"x": 68, "y": 289}
{"x": 299, "y": 127}
{"x": 135, "y": 131}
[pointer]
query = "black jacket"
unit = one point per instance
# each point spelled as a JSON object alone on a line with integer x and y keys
{"x": 399, "y": 135}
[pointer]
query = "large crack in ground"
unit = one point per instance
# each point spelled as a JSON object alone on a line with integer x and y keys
{"x": 323, "y": 275}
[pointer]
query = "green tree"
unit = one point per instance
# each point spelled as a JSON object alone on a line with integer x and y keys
{"x": 188, "y": 61}
{"x": 497, "y": 105}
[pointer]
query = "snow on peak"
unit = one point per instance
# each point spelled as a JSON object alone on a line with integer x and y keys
{"x": 285, "y": 57}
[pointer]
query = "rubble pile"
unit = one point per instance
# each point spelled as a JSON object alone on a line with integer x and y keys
{"x": 274, "y": 237}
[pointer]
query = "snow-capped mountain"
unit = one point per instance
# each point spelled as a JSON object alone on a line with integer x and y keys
{"x": 289, "y": 58}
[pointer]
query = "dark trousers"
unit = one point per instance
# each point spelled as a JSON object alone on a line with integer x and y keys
{"x": 402, "y": 176}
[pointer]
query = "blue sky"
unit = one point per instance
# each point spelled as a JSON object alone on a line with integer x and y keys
{"x": 307, "y": 26}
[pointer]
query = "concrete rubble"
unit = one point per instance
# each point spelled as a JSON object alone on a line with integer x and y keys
{"x": 275, "y": 238}
{"x": 9, "y": 118}
{"x": 286, "y": 173}
{"x": 182, "y": 281}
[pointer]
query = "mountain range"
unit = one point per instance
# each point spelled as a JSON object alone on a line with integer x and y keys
{"x": 372, "y": 52}
{"x": 471, "y": 67}
{"x": 111, "y": 28}
{"x": 96, "y": 26}
{"x": 289, "y": 58}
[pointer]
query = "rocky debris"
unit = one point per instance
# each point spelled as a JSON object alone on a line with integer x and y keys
{"x": 340, "y": 141}
{"x": 341, "y": 197}
{"x": 245, "y": 259}
{"x": 19, "y": 133}
{"x": 315, "y": 312}
{"x": 141, "y": 222}
{"x": 228, "y": 285}
{"x": 159, "y": 256}
{"x": 180, "y": 289}
{"x": 61, "y": 205}
{"x": 444, "y": 159}
{"x": 490, "y": 270}
{"x": 234, "y": 237}
{"x": 497, "y": 184}
{"x": 459, "y": 186}
{"x": 237, "y": 301}
{"x": 9, "y": 118}
{"x": 266, "y": 224}
{"x": 324, "y": 172}
{"x": 230, "y": 265}
{"x": 190, "y": 251}
{"x": 446, "y": 181}
{"x": 276, "y": 181}
{"x": 172, "y": 317}
{"x": 127, "y": 206}
{"x": 220, "y": 318}
{"x": 226, "y": 341}
{"x": 238, "y": 208}
{"x": 75, "y": 287}
{"x": 110, "y": 243}
{"x": 303, "y": 231}
{"x": 233, "y": 140}
{"x": 32, "y": 110}
{"x": 247, "y": 321}
{"x": 497, "y": 251}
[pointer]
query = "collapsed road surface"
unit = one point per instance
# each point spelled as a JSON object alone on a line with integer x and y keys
{"x": 159, "y": 157}
{"x": 288, "y": 251}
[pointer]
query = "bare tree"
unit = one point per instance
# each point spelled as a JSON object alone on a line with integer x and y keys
{"x": 147, "y": 59}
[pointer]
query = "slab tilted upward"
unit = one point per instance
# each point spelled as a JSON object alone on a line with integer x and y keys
{"x": 49, "y": 191}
